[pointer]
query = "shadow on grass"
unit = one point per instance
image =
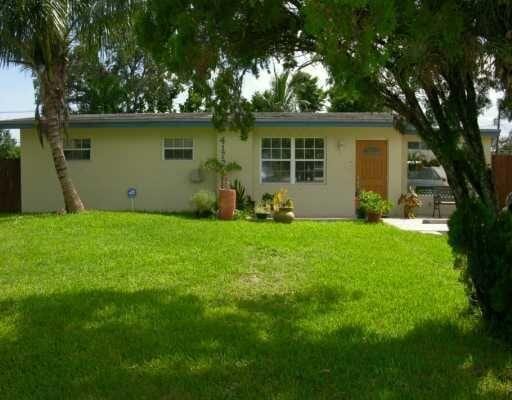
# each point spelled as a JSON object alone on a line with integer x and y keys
{"x": 166, "y": 345}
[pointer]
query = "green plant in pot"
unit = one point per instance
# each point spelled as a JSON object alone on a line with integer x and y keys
{"x": 410, "y": 201}
{"x": 262, "y": 211}
{"x": 227, "y": 196}
{"x": 244, "y": 202}
{"x": 374, "y": 206}
{"x": 283, "y": 207}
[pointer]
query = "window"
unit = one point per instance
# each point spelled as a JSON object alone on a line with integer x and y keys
{"x": 426, "y": 173}
{"x": 77, "y": 149}
{"x": 417, "y": 146}
{"x": 286, "y": 160}
{"x": 309, "y": 160}
{"x": 276, "y": 156}
{"x": 178, "y": 149}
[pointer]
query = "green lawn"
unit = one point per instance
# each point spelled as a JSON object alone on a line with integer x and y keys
{"x": 138, "y": 306}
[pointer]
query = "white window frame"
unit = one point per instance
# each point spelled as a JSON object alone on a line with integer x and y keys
{"x": 164, "y": 148}
{"x": 314, "y": 160}
{"x": 292, "y": 167}
{"x": 292, "y": 160}
{"x": 422, "y": 146}
{"x": 66, "y": 148}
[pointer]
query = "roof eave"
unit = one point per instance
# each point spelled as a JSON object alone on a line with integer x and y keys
{"x": 29, "y": 124}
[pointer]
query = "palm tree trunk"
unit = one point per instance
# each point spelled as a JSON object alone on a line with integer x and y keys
{"x": 53, "y": 122}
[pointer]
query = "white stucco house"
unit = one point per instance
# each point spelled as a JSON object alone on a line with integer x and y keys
{"x": 323, "y": 159}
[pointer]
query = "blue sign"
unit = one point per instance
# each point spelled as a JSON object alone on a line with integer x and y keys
{"x": 132, "y": 193}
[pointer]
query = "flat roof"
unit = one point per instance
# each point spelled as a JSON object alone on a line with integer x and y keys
{"x": 205, "y": 119}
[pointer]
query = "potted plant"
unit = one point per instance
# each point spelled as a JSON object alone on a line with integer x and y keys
{"x": 283, "y": 207}
{"x": 262, "y": 211}
{"x": 411, "y": 201}
{"x": 374, "y": 206}
{"x": 227, "y": 196}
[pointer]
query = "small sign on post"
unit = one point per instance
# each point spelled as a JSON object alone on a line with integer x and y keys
{"x": 132, "y": 194}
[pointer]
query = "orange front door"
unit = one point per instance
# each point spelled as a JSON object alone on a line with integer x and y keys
{"x": 372, "y": 166}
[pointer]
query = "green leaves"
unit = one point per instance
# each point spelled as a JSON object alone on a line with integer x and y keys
{"x": 290, "y": 92}
{"x": 221, "y": 168}
{"x": 8, "y": 147}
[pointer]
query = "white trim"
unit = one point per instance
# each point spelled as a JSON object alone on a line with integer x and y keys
{"x": 193, "y": 148}
{"x": 292, "y": 163}
{"x": 323, "y": 160}
{"x": 277, "y": 159}
{"x": 292, "y": 160}
{"x": 89, "y": 149}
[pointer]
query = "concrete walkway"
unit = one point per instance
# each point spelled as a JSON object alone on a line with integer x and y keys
{"x": 434, "y": 226}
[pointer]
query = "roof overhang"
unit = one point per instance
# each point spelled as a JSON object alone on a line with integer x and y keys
{"x": 205, "y": 120}
{"x": 374, "y": 120}
{"x": 494, "y": 133}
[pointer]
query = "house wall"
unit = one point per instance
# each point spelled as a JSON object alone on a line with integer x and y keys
{"x": 121, "y": 158}
{"x": 334, "y": 197}
{"x": 124, "y": 158}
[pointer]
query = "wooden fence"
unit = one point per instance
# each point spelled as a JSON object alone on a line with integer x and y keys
{"x": 502, "y": 167}
{"x": 10, "y": 186}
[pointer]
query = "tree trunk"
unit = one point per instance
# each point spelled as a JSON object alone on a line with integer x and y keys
{"x": 52, "y": 110}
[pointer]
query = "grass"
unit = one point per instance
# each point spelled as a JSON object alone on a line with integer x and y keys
{"x": 148, "y": 306}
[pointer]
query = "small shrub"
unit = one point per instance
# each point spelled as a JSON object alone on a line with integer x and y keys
{"x": 244, "y": 202}
{"x": 204, "y": 203}
{"x": 373, "y": 203}
{"x": 241, "y": 215}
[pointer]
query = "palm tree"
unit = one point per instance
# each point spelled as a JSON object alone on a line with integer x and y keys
{"x": 280, "y": 98}
{"x": 38, "y": 35}
{"x": 290, "y": 93}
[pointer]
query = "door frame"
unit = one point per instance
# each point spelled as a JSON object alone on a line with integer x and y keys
{"x": 384, "y": 141}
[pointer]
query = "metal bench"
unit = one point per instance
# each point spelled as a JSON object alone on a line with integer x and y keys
{"x": 442, "y": 196}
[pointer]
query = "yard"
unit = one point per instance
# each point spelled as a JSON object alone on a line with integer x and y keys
{"x": 148, "y": 306}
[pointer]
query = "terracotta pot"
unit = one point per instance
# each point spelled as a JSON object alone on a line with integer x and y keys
{"x": 284, "y": 215}
{"x": 373, "y": 217}
{"x": 227, "y": 204}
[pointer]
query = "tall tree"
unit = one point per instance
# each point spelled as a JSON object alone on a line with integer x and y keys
{"x": 310, "y": 96}
{"x": 9, "y": 149}
{"x": 427, "y": 62}
{"x": 430, "y": 61}
{"x": 290, "y": 92}
{"x": 342, "y": 98}
{"x": 39, "y": 35}
{"x": 197, "y": 100}
{"x": 120, "y": 79}
{"x": 220, "y": 42}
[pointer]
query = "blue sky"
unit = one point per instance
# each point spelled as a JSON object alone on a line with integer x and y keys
{"x": 17, "y": 94}
{"x": 16, "y": 90}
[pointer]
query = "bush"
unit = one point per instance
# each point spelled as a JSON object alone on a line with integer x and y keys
{"x": 483, "y": 249}
{"x": 244, "y": 202}
{"x": 204, "y": 203}
{"x": 373, "y": 203}
{"x": 360, "y": 213}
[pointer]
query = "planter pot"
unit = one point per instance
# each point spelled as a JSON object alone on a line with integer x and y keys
{"x": 227, "y": 204}
{"x": 373, "y": 217}
{"x": 284, "y": 216}
{"x": 262, "y": 216}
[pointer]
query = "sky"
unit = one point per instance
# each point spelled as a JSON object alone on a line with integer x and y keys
{"x": 17, "y": 95}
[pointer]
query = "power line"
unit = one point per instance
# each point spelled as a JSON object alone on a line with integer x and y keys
{"x": 16, "y": 112}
